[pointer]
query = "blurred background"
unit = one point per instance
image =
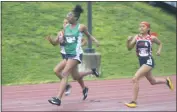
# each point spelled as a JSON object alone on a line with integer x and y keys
{"x": 27, "y": 58}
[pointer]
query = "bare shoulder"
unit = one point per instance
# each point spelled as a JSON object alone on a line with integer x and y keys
{"x": 82, "y": 27}
{"x": 66, "y": 25}
{"x": 154, "y": 38}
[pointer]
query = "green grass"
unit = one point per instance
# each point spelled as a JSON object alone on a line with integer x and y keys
{"x": 28, "y": 58}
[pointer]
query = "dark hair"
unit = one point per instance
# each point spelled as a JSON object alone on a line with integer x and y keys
{"x": 152, "y": 33}
{"x": 149, "y": 32}
{"x": 77, "y": 11}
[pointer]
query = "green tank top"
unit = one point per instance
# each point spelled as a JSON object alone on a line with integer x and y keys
{"x": 72, "y": 39}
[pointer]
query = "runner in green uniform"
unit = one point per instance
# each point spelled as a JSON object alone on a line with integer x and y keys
{"x": 73, "y": 33}
{"x": 59, "y": 67}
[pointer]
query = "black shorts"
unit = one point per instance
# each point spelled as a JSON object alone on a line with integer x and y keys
{"x": 63, "y": 56}
{"x": 70, "y": 56}
{"x": 147, "y": 60}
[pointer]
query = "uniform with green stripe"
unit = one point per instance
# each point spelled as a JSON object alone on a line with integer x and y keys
{"x": 72, "y": 39}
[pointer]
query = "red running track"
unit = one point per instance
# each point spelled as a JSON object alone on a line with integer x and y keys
{"x": 103, "y": 96}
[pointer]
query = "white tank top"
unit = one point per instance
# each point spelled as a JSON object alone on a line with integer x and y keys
{"x": 60, "y": 35}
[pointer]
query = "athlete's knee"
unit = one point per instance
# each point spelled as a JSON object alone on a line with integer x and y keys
{"x": 135, "y": 80}
{"x": 152, "y": 82}
{"x": 76, "y": 77}
{"x": 64, "y": 74}
{"x": 59, "y": 76}
{"x": 55, "y": 71}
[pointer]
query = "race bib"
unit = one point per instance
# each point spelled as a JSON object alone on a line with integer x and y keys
{"x": 70, "y": 39}
{"x": 143, "y": 52}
